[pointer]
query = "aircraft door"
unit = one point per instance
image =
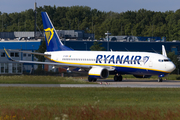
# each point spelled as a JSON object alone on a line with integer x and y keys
{"x": 151, "y": 62}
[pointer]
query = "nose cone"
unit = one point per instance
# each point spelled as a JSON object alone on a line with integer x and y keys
{"x": 170, "y": 67}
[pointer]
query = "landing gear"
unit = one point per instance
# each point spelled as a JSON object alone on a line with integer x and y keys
{"x": 92, "y": 79}
{"x": 160, "y": 79}
{"x": 117, "y": 77}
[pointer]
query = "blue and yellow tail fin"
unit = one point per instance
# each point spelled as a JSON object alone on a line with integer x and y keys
{"x": 53, "y": 43}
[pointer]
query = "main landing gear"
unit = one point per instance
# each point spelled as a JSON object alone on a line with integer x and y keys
{"x": 160, "y": 79}
{"x": 118, "y": 77}
{"x": 92, "y": 79}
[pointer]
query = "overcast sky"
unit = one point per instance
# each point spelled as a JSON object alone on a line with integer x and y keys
{"x": 10, "y": 6}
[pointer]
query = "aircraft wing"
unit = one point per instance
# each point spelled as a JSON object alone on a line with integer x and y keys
{"x": 48, "y": 63}
{"x": 34, "y": 53}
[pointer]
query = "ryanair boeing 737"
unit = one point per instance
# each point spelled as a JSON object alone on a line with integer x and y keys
{"x": 100, "y": 64}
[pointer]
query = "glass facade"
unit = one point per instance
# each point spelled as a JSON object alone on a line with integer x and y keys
{"x": 11, "y": 68}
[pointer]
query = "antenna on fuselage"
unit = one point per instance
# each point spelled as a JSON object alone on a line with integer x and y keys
{"x": 126, "y": 49}
{"x": 154, "y": 50}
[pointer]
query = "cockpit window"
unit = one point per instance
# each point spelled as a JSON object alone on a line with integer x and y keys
{"x": 164, "y": 60}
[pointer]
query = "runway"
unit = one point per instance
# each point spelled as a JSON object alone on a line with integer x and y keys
{"x": 109, "y": 83}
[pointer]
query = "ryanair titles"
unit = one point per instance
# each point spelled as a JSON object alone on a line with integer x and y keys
{"x": 121, "y": 59}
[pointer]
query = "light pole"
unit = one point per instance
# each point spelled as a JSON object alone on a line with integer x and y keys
{"x": 86, "y": 45}
{"x": 35, "y": 6}
{"x": 32, "y": 60}
{"x": 2, "y": 23}
{"x": 107, "y": 39}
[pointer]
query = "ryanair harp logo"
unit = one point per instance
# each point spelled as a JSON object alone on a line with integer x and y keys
{"x": 49, "y": 34}
{"x": 145, "y": 59}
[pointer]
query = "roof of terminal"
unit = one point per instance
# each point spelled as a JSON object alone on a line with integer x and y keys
{"x": 23, "y": 45}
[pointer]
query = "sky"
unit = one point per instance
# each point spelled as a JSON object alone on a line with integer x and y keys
{"x": 11, "y": 6}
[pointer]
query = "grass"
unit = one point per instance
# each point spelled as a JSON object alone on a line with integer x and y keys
{"x": 89, "y": 103}
{"x": 27, "y": 79}
{"x": 30, "y": 79}
{"x": 21, "y": 103}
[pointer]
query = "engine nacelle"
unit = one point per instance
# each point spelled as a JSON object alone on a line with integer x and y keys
{"x": 142, "y": 76}
{"x": 98, "y": 72}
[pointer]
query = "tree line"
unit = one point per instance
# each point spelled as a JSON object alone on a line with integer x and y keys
{"x": 137, "y": 23}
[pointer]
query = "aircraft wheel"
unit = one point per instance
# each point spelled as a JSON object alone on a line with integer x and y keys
{"x": 94, "y": 80}
{"x": 115, "y": 78}
{"x": 120, "y": 78}
{"x": 160, "y": 80}
{"x": 90, "y": 79}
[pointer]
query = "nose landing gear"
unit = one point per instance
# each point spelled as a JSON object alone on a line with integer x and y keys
{"x": 160, "y": 79}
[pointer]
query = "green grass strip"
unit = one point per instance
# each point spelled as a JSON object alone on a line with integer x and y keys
{"x": 89, "y": 103}
{"x": 27, "y": 79}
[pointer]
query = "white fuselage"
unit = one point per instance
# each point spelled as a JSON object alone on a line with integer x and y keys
{"x": 123, "y": 62}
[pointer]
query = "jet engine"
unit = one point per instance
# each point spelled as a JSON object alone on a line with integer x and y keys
{"x": 98, "y": 72}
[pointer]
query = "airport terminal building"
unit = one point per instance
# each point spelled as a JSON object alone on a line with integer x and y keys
{"x": 9, "y": 67}
{"x": 77, "y": 40}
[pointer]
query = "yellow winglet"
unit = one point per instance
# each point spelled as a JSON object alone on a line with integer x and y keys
{"x": 7, "y": 54}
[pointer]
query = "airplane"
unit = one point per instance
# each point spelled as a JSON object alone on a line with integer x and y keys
{"x": 100, "y": 64}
